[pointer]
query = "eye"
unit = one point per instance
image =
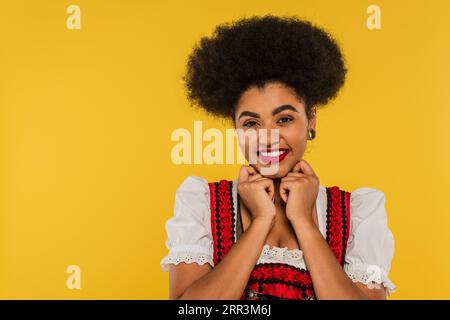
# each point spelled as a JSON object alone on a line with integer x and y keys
{"x": 284, "y": 120}
{"x": 250, "y": 123}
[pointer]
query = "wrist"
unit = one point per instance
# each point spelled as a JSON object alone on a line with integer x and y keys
{"x": 262, "y": 221}
{"x": 303, "y": 224}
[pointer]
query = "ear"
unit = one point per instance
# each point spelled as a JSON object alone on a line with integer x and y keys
{"x": 312, "y": 121}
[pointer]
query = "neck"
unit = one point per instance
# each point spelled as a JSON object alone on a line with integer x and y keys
{"x": 276, "y": 184}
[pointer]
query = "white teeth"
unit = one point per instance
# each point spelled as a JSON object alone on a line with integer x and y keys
{"x": 272, "y": 153}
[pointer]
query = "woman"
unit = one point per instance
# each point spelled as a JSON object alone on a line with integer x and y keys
{"x": 279, "y": 234}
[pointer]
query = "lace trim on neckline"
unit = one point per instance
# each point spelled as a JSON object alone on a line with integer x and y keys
{"x": 293, "y": 257}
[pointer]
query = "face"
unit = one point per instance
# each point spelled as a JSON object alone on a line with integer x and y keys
{"x": 273, "y": 107}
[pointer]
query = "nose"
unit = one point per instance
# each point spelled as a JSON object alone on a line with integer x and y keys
{"x": 269, "y": 137}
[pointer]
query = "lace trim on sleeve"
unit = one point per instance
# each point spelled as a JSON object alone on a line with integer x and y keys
{"x": 176, "y": 256}
{"x": 370, "y": 275}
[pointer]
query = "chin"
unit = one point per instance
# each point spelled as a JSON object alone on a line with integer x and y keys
{"x": 281, "y": 172}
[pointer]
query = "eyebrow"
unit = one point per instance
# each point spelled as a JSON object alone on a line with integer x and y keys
{"x": 274, "y": 111}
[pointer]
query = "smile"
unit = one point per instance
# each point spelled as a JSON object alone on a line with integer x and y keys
{"x": 272, "y": 156}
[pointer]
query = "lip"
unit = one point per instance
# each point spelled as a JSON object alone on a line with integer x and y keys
{"x": 269, "y": 159}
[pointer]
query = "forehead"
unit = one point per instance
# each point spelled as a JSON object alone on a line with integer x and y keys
{"x": 265, "y": 99}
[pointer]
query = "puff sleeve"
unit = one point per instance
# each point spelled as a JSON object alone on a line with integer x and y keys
{"x": 189, "y": 237}
{"x": 370, "y": 246}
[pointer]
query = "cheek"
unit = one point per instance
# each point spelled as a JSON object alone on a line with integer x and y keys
{"x": 296, "y": 139}
{"x": 247, "y": 144}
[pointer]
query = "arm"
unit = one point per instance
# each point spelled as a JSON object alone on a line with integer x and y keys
{"x": 229, "y": 278}
{"x": 299, "y": 190}
{"x": 329, "y": 278}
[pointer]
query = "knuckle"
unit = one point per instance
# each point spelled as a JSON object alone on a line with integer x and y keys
{"x": 242, "y": 187}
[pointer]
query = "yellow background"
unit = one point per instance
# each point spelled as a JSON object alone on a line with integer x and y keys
{"x": 86, "y": 117}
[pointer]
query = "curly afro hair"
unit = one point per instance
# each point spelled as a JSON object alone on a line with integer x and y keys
{"x": 258, "y": 50}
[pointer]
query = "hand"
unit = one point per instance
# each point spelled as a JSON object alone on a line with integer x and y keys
{"x": 299, "y": 190}
{"x": 257, "y": 193}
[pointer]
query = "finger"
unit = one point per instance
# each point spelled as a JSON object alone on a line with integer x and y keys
{"x": 306, "y": 168}
{"x": 255, "y": 177}
{"x": 294, "y": 174}
{"x": 252, "y": 171}
{"x": 289, "y": 179}
{"x": 296, "y": 167}
{"x": 260, "y": 178}
{"x": 284, "y": 191}
{"x": 243, "y": 174}
{"x": 254, "y": 174}
{"x": 267, "y": 184}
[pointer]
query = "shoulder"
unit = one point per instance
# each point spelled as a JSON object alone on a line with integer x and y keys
{"x": 192, "y": 198}
{"x": 366, "y": 201}
{"x": 358, "y": 197}
{"x": 367, "y": 193}
{"x": 193, "y": 184}
{"x": 200, "y": 186}
{"x": 369, "y": 222}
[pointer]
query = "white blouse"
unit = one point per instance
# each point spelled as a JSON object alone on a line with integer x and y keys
{"x": 370, "y": 246}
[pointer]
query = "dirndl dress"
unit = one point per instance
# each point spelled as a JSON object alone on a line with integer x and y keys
{"x": 275, "y": 280}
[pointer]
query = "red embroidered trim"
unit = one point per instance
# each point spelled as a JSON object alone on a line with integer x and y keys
{"x": 278, "y": 281}
{"x": 274, "y": 291}
{"x": 214, "y": 224}
{"x": 338, "y": 221}
{"x": 222, "y": 217}
{"x": 281, "y": 272}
